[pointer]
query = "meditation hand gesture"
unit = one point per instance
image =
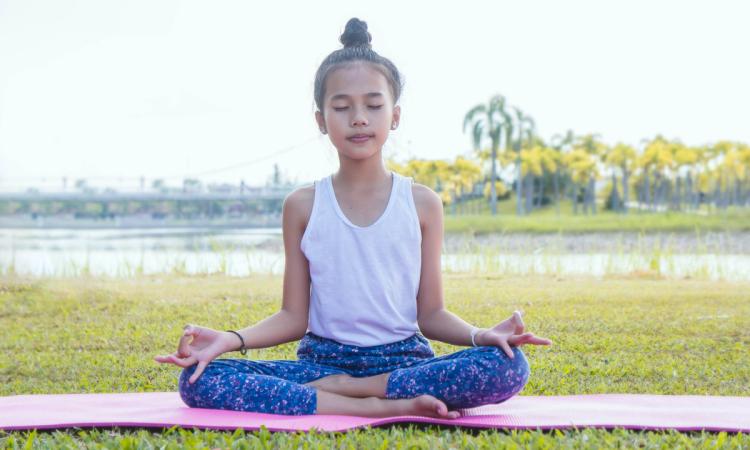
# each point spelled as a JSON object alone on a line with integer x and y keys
{"x": 206, "y": 345}
{"x": 509, "y": 332}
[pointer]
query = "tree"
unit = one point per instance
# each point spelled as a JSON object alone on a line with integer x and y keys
{"x": 684, "y": 158}
{"x": 621, "y": 157}
{"x": 191, "y": 185}
{"x": 595, "y": 149}
{"x": 656, "y": 158}
{"x": 488, "y": 121}
{"x": 560, "y": 143}
{"x": 158, "y": 185}
{"x": 450, "y": 180}
{"x": 526, "y": 130}
{"x": 582, "y": 167}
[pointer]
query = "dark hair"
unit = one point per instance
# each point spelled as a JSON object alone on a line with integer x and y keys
{"x": 356, "y": 40}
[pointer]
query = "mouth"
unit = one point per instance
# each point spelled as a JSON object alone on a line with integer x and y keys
{"x": 359, "y": 138}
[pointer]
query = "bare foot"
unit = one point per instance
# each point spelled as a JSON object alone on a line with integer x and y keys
{"x": 424, "y": 405}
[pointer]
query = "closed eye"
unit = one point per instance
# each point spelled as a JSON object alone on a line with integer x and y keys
{"x": 346, "y": 107}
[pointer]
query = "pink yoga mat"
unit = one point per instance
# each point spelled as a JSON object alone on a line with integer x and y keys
{"x": 166, "y": 409}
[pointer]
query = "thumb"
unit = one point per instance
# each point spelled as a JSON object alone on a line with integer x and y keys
{"x": 507, "y": 349}
{"x": 198, "y": 371}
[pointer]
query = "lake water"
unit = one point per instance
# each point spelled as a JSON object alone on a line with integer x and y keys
{"x": 239, "y": 252}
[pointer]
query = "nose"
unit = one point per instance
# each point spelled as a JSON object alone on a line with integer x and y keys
{"x": 359, "y": 119}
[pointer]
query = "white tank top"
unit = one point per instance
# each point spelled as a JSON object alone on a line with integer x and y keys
{"x": 364, "y": 280}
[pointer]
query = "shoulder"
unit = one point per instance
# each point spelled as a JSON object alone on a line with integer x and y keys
{"x": 298, "y": 205}
{"x": 428, "y": 202}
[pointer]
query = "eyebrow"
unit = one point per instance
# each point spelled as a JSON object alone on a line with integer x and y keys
{"x": 344, "y": 96}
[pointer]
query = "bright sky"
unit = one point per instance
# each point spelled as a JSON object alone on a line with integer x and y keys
{"x": 122, "y": 89}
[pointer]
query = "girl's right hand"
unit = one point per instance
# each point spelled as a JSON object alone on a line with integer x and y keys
{"x": 205, "y": 346}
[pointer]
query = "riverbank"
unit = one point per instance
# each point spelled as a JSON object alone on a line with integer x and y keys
{"x": 647, "y": 222}
{"x": 130, "y": 222}
{"x": 544, "y": 221}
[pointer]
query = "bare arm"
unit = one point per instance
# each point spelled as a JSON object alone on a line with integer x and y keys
{"x": 290, "y": 323}
{"x": 435, "y": 322}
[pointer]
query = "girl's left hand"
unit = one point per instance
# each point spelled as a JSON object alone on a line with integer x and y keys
{"x": 509, "y": 332}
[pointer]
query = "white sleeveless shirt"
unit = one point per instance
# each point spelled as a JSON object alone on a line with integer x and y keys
{"x": 364, "y": 280}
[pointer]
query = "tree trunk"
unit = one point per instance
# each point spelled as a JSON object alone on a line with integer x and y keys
{"x": 592, "y": 194}
{"x": 615, "y": 194}
{"x": 557, "y": 191}
{"x": 493, "y": 192}
{"x": 717, "y": 194}
{"x": 737, "y": 192}
{"x": 540, "y": 192}
{"x": 586, "y": 198}
{"x": 625, "y": 186}
{"x": 530, "y": 199}
{"x": 519, "y": 183}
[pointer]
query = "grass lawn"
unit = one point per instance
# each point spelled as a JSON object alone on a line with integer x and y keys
{"x": 611, "y": 335}
{"x": 477, "y": 219}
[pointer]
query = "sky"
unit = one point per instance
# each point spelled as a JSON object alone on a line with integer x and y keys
{"x": 112, "y": 91}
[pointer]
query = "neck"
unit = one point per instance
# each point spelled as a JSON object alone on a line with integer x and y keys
{"x": 362, "y": 174}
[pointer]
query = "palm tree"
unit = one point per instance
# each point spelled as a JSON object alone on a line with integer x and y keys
{"x": 657, "y": 157}
{"x": 582, "y": 167}
{"x": 622, "y": 157}
{"x": 535, "y": 162}
{"x": 684, "y": 158}
{"x": 488, "y": 120}
{"x": 559, "y": 144}
{"x": 526, "y": 130}
{"x": 744, "y": 151}
{"x": 591, "y": 145}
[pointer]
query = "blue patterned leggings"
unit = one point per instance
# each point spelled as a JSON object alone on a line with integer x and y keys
{"x": 467, "y": 378}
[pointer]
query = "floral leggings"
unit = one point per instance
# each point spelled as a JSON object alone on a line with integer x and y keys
{"x": 467, "y": 378}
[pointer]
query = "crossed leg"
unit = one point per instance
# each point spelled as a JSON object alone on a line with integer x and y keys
{"x": 488, "y": 376}
{"x": 275, "y": 387}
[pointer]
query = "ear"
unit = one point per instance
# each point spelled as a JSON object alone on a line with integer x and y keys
{"x": 396, "y": 115}
{"x": 321, "y": 120}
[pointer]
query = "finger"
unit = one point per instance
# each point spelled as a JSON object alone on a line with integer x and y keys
{"x": 519, "y": 322}
{"x": 183, "y": 347}
{"x": 164, "y": 358}
{"x": 198, "y": 371}
{"x": 528, "y": 338}
{"x": 540, "y": 341}
{"x": 161, "y": 359}
{"x": 182, "y": 362}
{"x": 520, "y": 339}
{"x": 531, "y": 339}
{"x": 506, "y": 348}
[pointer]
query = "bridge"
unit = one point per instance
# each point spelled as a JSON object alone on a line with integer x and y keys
{"x": 250, "y": 194}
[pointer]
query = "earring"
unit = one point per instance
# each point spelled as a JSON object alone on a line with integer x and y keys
{"x": 393, "y": 126}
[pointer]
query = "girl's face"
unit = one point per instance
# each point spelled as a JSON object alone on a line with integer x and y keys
{"x": 357, "y": 103}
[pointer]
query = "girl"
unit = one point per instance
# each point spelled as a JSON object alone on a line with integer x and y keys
{"x": 362, "y": 284}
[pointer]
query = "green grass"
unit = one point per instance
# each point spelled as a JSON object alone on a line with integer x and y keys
{"x": 611, "y": 335}
{"x": 546, "y": 220}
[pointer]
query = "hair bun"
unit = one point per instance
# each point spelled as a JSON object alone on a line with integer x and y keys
{"x": 356, "y": 34}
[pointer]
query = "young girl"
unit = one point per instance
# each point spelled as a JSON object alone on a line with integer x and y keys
{"x": 362, "y": 284}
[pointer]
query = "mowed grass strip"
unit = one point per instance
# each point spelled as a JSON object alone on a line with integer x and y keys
{"x": 547, "y": 221}
{"x": 612, "y": 335}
